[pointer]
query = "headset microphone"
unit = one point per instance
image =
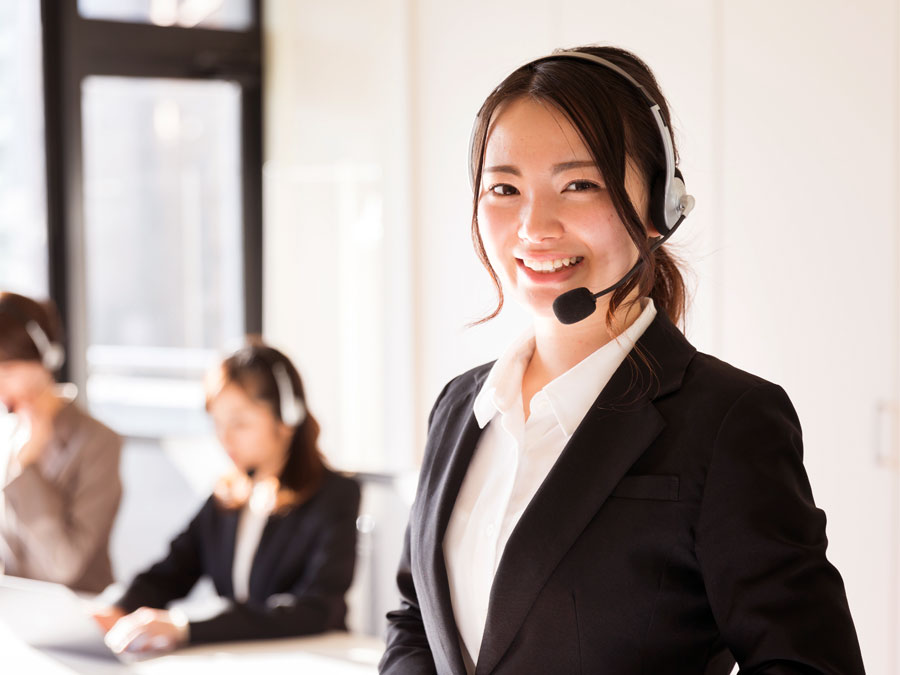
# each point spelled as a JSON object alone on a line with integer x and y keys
{"x": 579, "y": 303}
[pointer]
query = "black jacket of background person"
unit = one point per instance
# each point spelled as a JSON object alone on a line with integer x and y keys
{"x": 300, "y": 573}
{"x": 676, "y": 529}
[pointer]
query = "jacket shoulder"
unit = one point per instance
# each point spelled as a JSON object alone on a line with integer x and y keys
{"x": 462, "y": 385}
{"x": 721, "y": 377}
{"x": 84, "y": 426}
{"x": 471, "y": 379}
{"x": 712, "y": 392}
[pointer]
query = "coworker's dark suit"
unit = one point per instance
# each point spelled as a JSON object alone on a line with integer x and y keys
{"x": 677, "y": 528}
{"x": 302, "y": 568}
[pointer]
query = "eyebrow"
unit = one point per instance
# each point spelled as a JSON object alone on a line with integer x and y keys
{"x": 557, "y": 168}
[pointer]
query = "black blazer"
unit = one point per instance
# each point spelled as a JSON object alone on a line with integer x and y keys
{"x": 302, "y": 568}
{"x": 676, "y": 532}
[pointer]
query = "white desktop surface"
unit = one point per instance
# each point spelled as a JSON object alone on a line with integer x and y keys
{"x": 328, "y": 654}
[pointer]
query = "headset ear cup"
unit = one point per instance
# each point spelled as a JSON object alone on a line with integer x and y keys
{"x": 658, "y": 203}
{"x": 658, "y": 200}
{"x": 54, "y": 357}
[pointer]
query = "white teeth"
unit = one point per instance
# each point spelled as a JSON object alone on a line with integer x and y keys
{"x": 550, "y": 265}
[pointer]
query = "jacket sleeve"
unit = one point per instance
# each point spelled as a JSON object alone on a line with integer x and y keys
{"x": 63, "y": 532}
{"x": 760, "y": 540}
{"x": 174, "y": 576}
{"x": 407, "y": 651}
{"x": 316, "y": 601}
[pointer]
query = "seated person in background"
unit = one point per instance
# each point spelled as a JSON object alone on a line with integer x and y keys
{"x": 59, "y": 467}
{"x": 278, "y": 536}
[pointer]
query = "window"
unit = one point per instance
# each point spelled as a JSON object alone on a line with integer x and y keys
{"x": 220, "y": 14}
{"x": 162, "y": 242}
{"x": 158, "y": 170}
{"x": 23, "y": 216}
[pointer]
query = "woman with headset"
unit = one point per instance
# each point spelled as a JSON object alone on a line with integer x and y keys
{"x": 603, "y": 498}
{"x": 59, "y": 467}
{"x": 277, "y": 536}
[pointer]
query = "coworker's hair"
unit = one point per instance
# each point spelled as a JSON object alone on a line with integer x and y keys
{"x": 15, "y": 313}
{"x": 616, "y": 125}
{"x": 251, "y": 369}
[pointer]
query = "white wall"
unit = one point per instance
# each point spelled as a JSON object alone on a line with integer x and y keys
{"x": 787, "y": 116}
{"x": 337, "y": 239}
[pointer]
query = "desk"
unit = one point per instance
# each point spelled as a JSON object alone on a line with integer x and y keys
{"x": 328, "y": 654}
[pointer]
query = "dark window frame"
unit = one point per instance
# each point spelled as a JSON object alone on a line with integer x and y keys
{"x": 74, "y": 48}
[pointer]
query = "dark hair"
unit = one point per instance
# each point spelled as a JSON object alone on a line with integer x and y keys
{"x": 15, "y": 313}
{"x": 251, "y": 369}
{"x": 615, "y": 123}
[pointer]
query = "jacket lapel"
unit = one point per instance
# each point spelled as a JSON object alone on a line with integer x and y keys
{"x": 455, "y": 444}
{"x": 224, "y": 559}
{"x": 273, "y": 542}
{"x": 620, "y": 426}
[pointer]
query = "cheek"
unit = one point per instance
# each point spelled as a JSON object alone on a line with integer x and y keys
{"x": 249, "y": 441}
{"x": 18, "y": 387}
{"x": 606, "y": 236}
{"x": 498, "y": 233}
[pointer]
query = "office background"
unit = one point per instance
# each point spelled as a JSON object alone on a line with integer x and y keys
{"x": 298, "y": 168}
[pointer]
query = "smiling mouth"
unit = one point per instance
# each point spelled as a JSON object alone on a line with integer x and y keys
{"x": 549, "y": 266}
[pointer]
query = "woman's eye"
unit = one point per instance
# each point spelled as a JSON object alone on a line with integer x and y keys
{"x": 503, "y": 189}
{"x": 581, "y": 185}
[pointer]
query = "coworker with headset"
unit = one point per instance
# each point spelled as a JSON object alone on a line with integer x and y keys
{"x": 277, "y": 537}
{"x": 603, "y": 498}
{"x": 59, "y": 467}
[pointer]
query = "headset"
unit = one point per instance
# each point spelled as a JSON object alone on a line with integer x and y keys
{"x": 669, "y": 204}
{"x": 52, "y": 354}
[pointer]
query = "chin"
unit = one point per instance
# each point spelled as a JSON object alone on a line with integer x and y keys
{"x": 539, "y": 304}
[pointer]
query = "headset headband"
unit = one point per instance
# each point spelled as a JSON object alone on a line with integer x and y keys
{"x": 293, "y": 411}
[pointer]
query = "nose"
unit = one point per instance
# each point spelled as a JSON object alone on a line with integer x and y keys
{"x": 539, "y": 221}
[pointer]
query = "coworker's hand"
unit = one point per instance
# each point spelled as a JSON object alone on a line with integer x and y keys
{"x": 148, "y": 630}
{"x": 106, "y": 617}
{"x": 33, "y": 450}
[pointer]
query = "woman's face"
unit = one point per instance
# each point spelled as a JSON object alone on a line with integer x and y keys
{"x": 21, "y": 382}
{"x": 248, "y": 431}
{"x": 547, "y": 222}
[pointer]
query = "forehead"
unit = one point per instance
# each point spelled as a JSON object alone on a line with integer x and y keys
{"x": 232, "y": 399}
{"x": 18, "y": 367}
{"x": 529, "y": 129}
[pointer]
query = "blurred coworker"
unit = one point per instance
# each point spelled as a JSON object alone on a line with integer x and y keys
{"x": 277, "y": 536}
{"x": 59, "y": 467}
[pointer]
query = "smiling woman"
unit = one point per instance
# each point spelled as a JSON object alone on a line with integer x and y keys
{"x": 603, "y": 497}
{"x": 577, "y": 155}
{"x": 546, "y": 216}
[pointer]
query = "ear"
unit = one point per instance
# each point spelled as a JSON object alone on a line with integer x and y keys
{"x": 285, "y": 432}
